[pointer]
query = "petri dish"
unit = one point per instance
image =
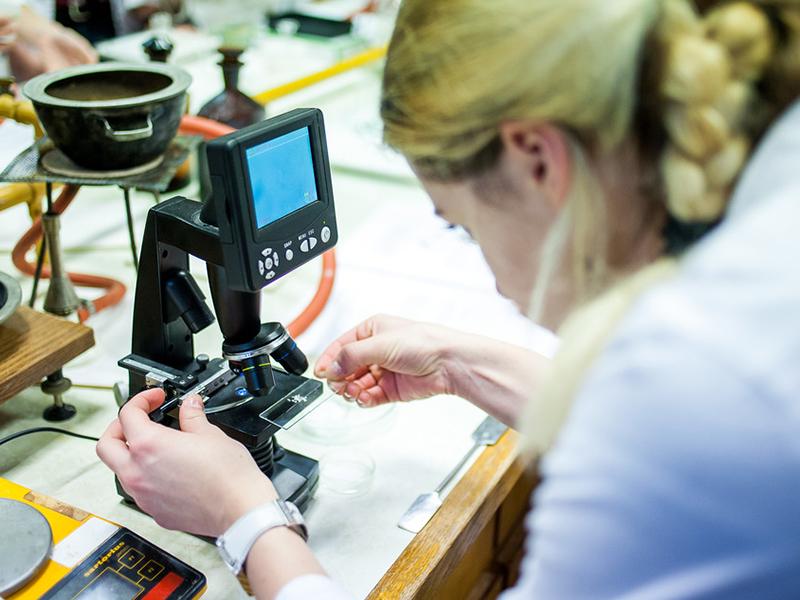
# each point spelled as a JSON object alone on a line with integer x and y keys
{"x": 340, "y": 422}
{"x": 346, "y": 472}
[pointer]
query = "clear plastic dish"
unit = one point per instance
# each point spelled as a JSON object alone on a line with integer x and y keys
{"x": 346, "y": 472}
{"x": 340, "y": 422}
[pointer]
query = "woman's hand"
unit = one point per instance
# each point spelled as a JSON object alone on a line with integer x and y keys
{"x": 196, "y": 480}
{"x": 43, "y": 46}
{"x": 386, "y": 359}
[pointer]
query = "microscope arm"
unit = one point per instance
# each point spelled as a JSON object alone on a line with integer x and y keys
{"x": 238, "y": 313}
{"x": 173, "y": 231}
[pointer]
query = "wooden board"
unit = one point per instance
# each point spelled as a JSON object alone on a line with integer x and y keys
{"x": 33, "y": 345}
{"x": 446, "y": 559}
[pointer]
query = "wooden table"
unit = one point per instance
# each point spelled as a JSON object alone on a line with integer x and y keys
{"x": 472, "y": 547}
{"x": 33, "y": 345}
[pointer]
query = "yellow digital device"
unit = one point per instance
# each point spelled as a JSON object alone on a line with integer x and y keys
{"x": 54, "y": 551}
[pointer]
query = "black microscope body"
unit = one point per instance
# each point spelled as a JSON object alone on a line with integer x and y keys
{"x": 271, "y": 211}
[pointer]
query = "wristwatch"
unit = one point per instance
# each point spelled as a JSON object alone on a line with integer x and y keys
{"x": 234, "y": 545}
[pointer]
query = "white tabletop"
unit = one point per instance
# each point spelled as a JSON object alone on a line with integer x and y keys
{"x": 394, "y": 256}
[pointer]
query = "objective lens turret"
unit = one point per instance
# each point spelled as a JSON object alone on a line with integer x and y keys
{"x": 252, "y": 358}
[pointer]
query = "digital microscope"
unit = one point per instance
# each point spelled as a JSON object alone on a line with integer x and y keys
{"x": 270, "y": 211}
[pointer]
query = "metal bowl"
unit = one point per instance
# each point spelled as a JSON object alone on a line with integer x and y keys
{"x": 10, "y": 296}
{"x": 111, "y": 116}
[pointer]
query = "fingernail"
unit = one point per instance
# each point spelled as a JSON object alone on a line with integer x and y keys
{"x": 364, "y": 399}
{"x": 195, "y": 401}
{"x": 335, "y": 369}
{"x": 336, "y": 386}
{"x": 347, "y": 396}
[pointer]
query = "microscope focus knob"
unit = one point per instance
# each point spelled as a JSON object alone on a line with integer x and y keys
{"x": 202, "y": 361}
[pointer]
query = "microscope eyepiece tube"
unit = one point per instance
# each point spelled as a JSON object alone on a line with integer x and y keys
{"x": 187, "y": 301}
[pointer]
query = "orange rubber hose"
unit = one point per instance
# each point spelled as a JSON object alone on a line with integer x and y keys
{"x": 208, "y": 128}
{"x": 309, "y": 314}
{"x": 115, "y": 290}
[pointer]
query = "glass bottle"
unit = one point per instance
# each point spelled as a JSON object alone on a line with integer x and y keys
{"x": 232, "y": 106}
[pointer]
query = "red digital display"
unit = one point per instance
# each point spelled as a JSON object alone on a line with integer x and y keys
{"x": 165, "y": 587}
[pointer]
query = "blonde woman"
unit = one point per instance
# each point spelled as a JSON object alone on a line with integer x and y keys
{"x": 630, "y": 165}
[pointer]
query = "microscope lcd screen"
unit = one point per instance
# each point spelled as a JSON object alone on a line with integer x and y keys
{"x": 282, "y": 176}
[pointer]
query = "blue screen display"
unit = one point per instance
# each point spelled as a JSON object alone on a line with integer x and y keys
{"x": 282, "y": 176}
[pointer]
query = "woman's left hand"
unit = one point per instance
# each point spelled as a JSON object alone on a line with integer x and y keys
{"x": 196, "y": 480}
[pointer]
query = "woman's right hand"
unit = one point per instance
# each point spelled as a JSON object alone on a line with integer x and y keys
{"x": 389, "y": 359}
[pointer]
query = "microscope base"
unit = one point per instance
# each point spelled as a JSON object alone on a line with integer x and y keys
{"x": 295, "y": 477}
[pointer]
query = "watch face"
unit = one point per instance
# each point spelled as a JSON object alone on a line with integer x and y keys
{"x": 294, "y": 519}
{"x": 292, "y": 513}
{"x": 226, "y": 557}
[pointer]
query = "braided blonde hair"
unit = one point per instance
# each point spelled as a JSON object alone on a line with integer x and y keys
{"x": 711, "y": 108}
{"x": 693, "y": 85}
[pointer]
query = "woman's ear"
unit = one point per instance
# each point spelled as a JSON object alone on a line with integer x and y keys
{"x": 538, "y": 156}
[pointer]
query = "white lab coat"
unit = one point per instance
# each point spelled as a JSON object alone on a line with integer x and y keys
{"x": 678, "y": 472}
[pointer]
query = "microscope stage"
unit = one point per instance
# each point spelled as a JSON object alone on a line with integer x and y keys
{"x": 255, "y": 421}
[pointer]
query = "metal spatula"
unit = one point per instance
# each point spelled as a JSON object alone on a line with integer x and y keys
{"x": 424, "y": 507}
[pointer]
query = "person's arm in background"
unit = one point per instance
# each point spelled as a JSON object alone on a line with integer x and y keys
{"x": 42, "y": 45}
{"x": 9, "y": 13}
{"x": 388, "y": 359}
{"x": 8, "y": 32}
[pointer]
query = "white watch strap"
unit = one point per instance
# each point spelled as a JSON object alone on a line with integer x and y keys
{"x": 235, "y": 544}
